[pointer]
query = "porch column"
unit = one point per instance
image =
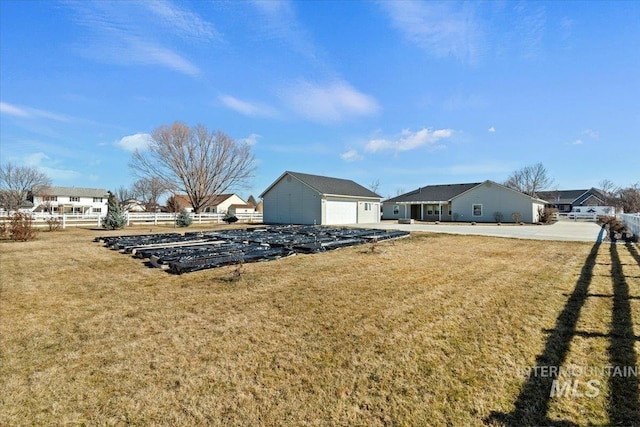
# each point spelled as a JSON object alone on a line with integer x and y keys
{"x": 439, "y": 211}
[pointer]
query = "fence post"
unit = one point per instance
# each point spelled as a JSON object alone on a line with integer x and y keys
{"x": 64, "y": 221}
{"x": 128, "y": 219}
{"x": 155, "y": 218}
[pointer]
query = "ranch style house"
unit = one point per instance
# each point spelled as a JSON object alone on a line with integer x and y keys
{"x": 485, "y": 201}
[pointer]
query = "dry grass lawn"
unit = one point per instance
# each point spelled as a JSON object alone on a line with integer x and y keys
{"x": 431, "y": 330}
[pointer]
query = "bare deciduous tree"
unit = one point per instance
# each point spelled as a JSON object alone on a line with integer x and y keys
{"x": 610, "y": 191}
{"x": 125, "y": 196}
{"x": 630, "y": 198}
{"x": 149, "y": 191}
{"x": 193, "y": 160}
{"x": 17, "y": 181}
{"x": 530, "y": 179}
{"x": 374, "y": 185}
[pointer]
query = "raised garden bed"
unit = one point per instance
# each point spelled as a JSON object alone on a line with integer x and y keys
{"x": 192, "y": 251}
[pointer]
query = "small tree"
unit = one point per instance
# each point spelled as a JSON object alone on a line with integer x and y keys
{"x": 252, "y": 201}
{"x": 546, "y": 215}
{"x": 516, "y": 217}
{"x": 115, "y": 218}
{"x": 21, "y": 227}
{"x": 498, "y": 216}
{"x": 54, "y": 223}
{"x": 183, "y": 219}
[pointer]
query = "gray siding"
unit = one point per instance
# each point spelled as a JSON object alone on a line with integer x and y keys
{"x": 494, "y": 198}
{"x": 290, "y": 201}
{"x": 387, "y": 211}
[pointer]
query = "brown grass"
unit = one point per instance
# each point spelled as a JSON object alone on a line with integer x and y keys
{"x": 429, "y": 330}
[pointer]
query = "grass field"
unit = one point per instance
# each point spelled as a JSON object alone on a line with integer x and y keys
{"x": 431, "y": 330}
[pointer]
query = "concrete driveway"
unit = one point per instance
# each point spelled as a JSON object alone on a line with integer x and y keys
{"x": 576, "y": 231}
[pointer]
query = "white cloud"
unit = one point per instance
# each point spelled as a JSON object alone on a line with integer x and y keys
{"x": 332, "y": 102}
{"x": 252, "y": 139}
{"x": 441, "y": 28}
{"x": 13, "y": 110}
{"x": 593, "y": 134}
{"x": 408, "y": 140}
{"x": 47, "y": 165}
{"x": 578, "y": 142}
{"x": 491, "y": 129}
{"x": 181, "y": 21}
{"x": 278, "y": 21}
{"x": 248, "y": 108}
{"x": 31, "y": 113}
{"x": 138, "y": 51}
{"x": 126, "y": 33}
{"x": 139, "y": 141}
{"x": 351, "y": 156}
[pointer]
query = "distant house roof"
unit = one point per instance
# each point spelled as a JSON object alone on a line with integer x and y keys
{"x": 571, "y": 197}
{"x": 70, "y": 191}
{"x": 433, "y": 193}
{"x": 328, "y": 185}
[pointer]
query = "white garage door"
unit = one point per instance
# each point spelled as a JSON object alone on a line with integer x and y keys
{"x": 339, "y": 212}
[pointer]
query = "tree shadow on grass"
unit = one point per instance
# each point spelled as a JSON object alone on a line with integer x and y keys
{"x": 532, "y": 404}
{"x": 623, "y": 389}
{"x": 634, "y": 252}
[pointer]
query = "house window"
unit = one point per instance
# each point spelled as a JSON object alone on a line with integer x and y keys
{"x": 97, "y": 200}
{"x": 50, "y": 198}
{"x": 74, "y": 199}
{"x": 429, "y": 210}
{"x": 477, "y": 210}
{"x": 97, "y": 210}
{"x": 396, "y": 209}
{"x": 367, "y": 206}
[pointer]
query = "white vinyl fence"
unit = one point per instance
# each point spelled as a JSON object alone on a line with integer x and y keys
{"x": 41, "y": 220}
{"x": 632, "y": 221}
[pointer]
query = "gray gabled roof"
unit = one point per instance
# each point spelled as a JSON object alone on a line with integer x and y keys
{"x": 70, "y": 191}
{"x": 570, "y": 197}
{"x": 433, "y": 193}
{"x": 329, "y": 185}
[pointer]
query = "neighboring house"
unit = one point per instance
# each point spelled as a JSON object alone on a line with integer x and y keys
{"x": 70, "y": 200}
{"x": 218, "y": 204}
{"x": 300, "y": 198}
{"x": 241, "y": 209}
{"x": 133, "y": 205}
{"x": 472, "y": 202}
{"x": 579, "y": 201}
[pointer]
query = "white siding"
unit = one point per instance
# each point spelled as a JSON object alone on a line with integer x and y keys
{"x": 290, "y": 201}
{"x": 339, "y": 211}
{"x": 368, "y": 212}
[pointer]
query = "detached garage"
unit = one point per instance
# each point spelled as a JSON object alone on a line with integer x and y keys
{"x": 300, "y": 198}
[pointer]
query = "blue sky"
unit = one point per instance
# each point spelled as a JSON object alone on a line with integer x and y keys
{"x": 404, "y": 93}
